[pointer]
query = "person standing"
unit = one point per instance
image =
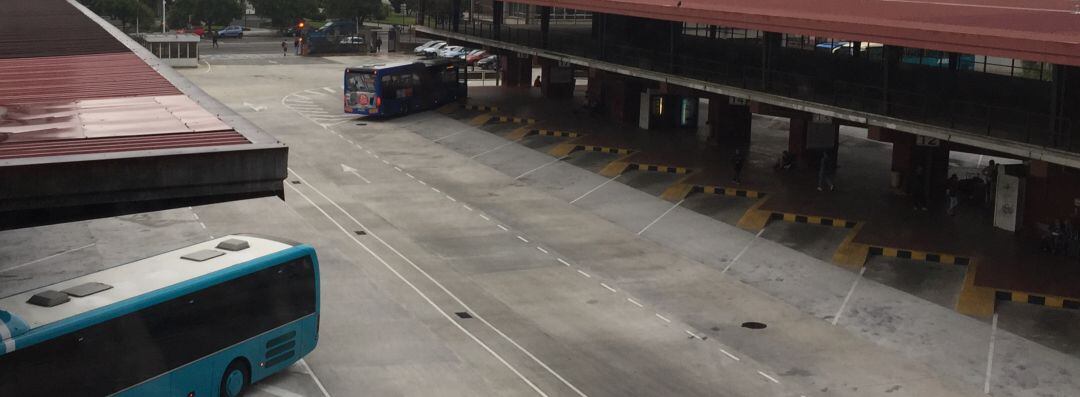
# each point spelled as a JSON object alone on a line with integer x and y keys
{"x": 284, "y": 49}
{"x": 537, "y": 83}
{"x": 296, "y": 46}
{"x": 214, "y": 39}
{"x": 951, "y": 190}
{"x": 825, "y": 171}
{"x": 990, "y": 174}
{"x": 737, "y": 162}
{"x": 917, "y": 188}
{"x": 378, "y": 44}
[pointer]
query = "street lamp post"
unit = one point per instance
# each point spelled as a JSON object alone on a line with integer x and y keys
{"x": 162, "y": 16}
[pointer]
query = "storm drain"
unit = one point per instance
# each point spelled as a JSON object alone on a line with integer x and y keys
{"x": 463, "y": 314}
{"x": 361, "y": 233}
{"x": 295, "y": 182}
{"x": 753, "y": 325}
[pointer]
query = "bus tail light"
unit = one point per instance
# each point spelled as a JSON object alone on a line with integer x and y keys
{"x": 378, "y": 101}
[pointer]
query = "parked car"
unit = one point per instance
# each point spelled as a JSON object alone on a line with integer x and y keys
{"x": 433, "y": 50}
{"x": 231, "y": 31}
{"x": 475, "y": 56}
{"x": 466, "y": 53}
{"x": 451, "y": 51}
{"x": 489, "y": 63}
{"x": 420, "y": 49}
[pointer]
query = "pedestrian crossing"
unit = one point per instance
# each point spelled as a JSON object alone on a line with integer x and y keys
{"x": 312, "y": 105}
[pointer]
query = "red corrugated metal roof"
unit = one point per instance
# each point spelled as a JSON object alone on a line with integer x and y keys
{"x": 1038, "y": 30}
{"x": 67, "y": 86}
{"x": 119, "y": 144}
{"x": 70, "y": 78}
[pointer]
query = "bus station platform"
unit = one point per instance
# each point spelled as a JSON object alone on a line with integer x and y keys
{"x": 880, "y": 220}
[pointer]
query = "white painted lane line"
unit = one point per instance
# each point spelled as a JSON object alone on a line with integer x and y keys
{"x": 368, "y": 151}
{"x": 635, "y": 302}
{"x": 485, "y": 217}
{"x": 203, "y": 225}
{"x": 398, "y": 169}
{"x": 447, "y": 136}
{"x": 436, "y": 190}
{"x": 542, "y": 166}
{"x": 661, "y": 216}
{"x": 386, "y": 162}
{"x": 542, "y": 249}
{"x": 729, "y": 355}
{"x": 427, "y": 275}
{"x": 194, "y": 215}
{"x": 492, "y": 149}
{"x": 410, "y": 175}
{"x": 315, "y": 378}
{"x": 692, "y": 335}
{"x": 769, "y": 377}
{"x": 39, "y": 260}
{"x": 422, "y": 182}
{"x": 584, "y": 274}
{"x": 375, "y": 155}
{"x": 306, "y": 99}
{"x": 351, "y": 170}
{"x": 595, "y": 189}
{"x": 275, "y": 391}
{"x": 208, "y": 67}
{"x": 848, "y": 297}
{"x": 406, "y": 281}
{"x": 562, "y": 261}
{"x": 608, "y": 287}
{"x": 467, "y": 207}
{"x": 451, "y": 198}
{"x": 990, "y": 354}
{"x": 328, "y": 89}
{"x": 743, "y": 251}
{"x": 522, "y": 239}
{"x": 662, "y": 318}
{"x": 503, "y": 228}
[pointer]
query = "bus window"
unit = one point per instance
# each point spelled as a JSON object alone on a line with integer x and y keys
{"x": 361, "y": 82}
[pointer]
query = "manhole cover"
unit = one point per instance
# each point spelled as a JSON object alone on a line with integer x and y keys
{"x": 753, "y": 325}
{"x": 463, "y": 314}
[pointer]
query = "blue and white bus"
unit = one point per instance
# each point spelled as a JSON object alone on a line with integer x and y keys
{"x": 205, "y": 320}
{"x": 400, "y": 88}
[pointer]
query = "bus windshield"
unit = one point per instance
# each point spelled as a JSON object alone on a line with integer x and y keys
{"x": 360, "y": 82}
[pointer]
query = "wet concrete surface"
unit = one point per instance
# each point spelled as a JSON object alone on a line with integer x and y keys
{"x": 935, "y": 282}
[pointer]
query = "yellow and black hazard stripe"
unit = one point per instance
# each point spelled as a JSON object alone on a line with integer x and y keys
{"x": 603, "y": 149}
{"x": 728, "y": 191}
{"x": 1023, "y": 297}
{"x": 556, "y": 133}
{"x": 483, "y": 108}
{"x": 920, "y": 255}
{"x": 813, "y": 220}
{"x": 659, "y": 168}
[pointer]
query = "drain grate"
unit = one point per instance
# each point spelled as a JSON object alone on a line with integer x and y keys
{"x": 463, "y": 314}
{"x": 754, "y": 325}
{"x": 295, "y": 182}
{"x": 361, "y": 124}
{"x": 361, "y": 233}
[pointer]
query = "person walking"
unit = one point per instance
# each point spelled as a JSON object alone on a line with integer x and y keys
{"x": 917, "y": 188}
{"x": 825, "y": 171}
{"x": 296, "y": 45}
{"x": 990, "y": 174}
{"x": 378, "y": 44}
{"x": 737, "y": 162}
{"x": 284, "y": 49}
{"x": 537, "y": 83}
{"x": 951, "y": 190}
{"x": 214, "y": 39}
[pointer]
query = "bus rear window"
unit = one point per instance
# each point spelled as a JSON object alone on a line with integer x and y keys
{"x": 361, "y": 82}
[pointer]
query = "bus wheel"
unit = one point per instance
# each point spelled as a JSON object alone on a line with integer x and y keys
{"x": 235, "y": 380}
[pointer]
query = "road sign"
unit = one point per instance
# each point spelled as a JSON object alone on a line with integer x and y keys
{"x": 927, "y": 141}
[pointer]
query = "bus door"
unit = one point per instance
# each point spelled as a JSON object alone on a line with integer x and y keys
{"x": 361, "y": 93}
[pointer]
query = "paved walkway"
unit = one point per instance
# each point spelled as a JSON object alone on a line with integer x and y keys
{"x": 889, "y": 224}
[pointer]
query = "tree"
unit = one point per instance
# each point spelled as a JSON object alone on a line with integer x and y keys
{"x": 209, "y": 11}
{"x": 358, "y": 10}
{"x": 285, "y": 12}
{"x": 126, "y": 11}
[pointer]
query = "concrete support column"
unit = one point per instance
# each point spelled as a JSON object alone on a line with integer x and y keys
{"x": 496, "y": 18}
{"x": 910, "y": 153}
{"x": 729, "y": 120}
{"x": 516, "y": 71}
{"x": 545, "y": 25}
{"x": 810, "y": 136}
{"x": 455, "y": 15}
{"x": 620, "y": 98}
{"x": 556, "y": 81}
